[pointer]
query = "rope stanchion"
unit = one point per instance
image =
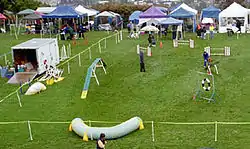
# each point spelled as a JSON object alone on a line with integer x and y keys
{"x": 80, "y": 60}
{"x": 30, "y": 132}
{"x": 215, "y": 131}
{"x": 105, "y": 43}
{"x": 68, "y": 68}
{"x": 90, "y": 54}
{"x": 19, "y": 99}
{"x": 153, "y": 133}
{"x": 100, "y": 49}
{"x": 5, "y": 59}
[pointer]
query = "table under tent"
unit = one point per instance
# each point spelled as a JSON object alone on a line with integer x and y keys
{"x": 174, "y": 22}
{"x": 107, "y": 20}
{"x": 31, "y": 57}
{"x": 64, "y": 15}
{"x": 229, "y": 16}
{"x": 183, "y": 11}
{"x": 22, "y": 13}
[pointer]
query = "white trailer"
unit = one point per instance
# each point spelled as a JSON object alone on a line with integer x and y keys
{"x": 35, "y": 52}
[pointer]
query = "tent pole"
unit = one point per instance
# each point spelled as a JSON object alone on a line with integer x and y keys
{"x": 88, "y": 23}
{"x": 4, "y": 25}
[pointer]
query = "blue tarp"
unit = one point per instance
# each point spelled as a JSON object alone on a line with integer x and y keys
{"x": 181, "y": 13}
{"x": 210, "y": 12}
{"x": 171, "y": 21}
{"x": 134, "y": 17}
{"x": 63, "y": 12}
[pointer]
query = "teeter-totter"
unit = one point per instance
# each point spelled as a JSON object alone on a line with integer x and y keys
{"x": 189, "y": 42}
{"x": 226, "y": 51}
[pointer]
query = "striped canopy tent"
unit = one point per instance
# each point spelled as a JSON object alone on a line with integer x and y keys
{"x": 26, "y": 12}
{"x": 2, "y": 17}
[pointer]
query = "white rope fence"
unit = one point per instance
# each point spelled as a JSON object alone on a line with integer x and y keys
{"x": 117, "y": 35}
{"x": 152, "y": 123}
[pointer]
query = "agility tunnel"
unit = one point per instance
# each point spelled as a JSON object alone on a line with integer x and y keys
{"x": 91, "y": 73}
{"x": 93, "y": 133}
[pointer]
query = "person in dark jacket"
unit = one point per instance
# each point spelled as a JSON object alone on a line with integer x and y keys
{"x": 150, "y": 40}
{"x": 238, "y": 25}
{"x": 205, "y": 57}
{"x": 100, "y": 143}
{"x": 142, "y": 65}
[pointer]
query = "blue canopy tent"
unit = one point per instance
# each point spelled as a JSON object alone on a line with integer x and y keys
{"x": 63, "y": 12}
{"x": 182, "y": 13}
{"x": 171, "y": 21}
{"x": 210, "y": 12}
{"x": 174, "y": 7}
{"x": 134, "y": 17}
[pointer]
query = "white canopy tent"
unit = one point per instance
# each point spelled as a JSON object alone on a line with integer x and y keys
{"x": 83, "y": 10}
{"x": 232, "y": 13}
{"x": 186, "y": 7}
{"x": 150, "y": 21}
{"x": 105, "y": 14}
{"x": 45, "y": 10}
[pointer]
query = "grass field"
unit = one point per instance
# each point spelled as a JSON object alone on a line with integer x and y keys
{"x": 161, "y": 94}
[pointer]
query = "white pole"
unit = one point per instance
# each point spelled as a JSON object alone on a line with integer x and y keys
{"x": 90, "y": 54}
{"x": 91, "y": 136}
{"x": 5, "y": 59}
{"x": 41, "y": 34}
{"x": 15, "y": 33}
{"x": 4, "y": 25}
{"x": 105, "y": 43}
{"x": 29, "y": 126}
{"x": 69, "y": 51}
{"x": 100, "y": 49}
{"x": 153, "y": 134}
{"x": 80, "y": 60}
{"x": 215, "y": 131}
{"x": 116, "y": 38}
{"x": 68, "y": 68}
{"x": 121, "y": 34}
{"x": 19, "y": 100}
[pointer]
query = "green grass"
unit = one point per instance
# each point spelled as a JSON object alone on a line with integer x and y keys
{"x": 163, "y": 93}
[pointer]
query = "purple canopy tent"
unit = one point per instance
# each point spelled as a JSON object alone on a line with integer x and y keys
{"x": 153, "y": 12}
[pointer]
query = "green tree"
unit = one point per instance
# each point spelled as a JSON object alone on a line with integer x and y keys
{"x": 19, "y": 5}
{"x": 225, "y": 3}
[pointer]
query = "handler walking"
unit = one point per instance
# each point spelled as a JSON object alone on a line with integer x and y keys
{"x": 142, "y": 65}
{"x": 206, "y": 57}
